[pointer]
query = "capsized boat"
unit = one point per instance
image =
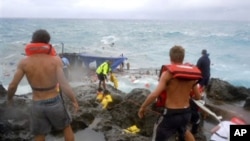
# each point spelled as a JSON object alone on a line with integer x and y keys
{"x": 85, "y": 58}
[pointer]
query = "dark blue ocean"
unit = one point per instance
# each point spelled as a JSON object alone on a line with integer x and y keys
{"x": 145, "y": 42}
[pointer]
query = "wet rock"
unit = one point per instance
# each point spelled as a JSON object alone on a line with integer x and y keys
{"x": 121, "y": 114}
{"x": 247, "y": 104}
{"x": 3, "y": 91}
{"x": 221, "y": 90}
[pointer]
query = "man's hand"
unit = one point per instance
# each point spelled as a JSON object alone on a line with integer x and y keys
{"x": 76, "y": 106}
{"x": 141, "y": 112}
{"x": 10, "y": 102}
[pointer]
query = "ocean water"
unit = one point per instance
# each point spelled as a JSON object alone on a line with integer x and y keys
{"x": 146, "y": 43}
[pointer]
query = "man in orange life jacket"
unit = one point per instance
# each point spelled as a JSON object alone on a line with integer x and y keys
{"x": 177, "y": 113}
{"x": 43, "y": 71}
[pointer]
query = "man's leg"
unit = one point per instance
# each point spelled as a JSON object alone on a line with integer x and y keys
{"x": 68, "y": 133}
{"x": 100, "y": 82}
{"x": 39, "y": 137}
{"x": 104, "y": 85}
{"x": 195, "y": 117}
{"x": 189, "y": 136}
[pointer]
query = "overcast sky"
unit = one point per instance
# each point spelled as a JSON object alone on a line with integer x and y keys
{"x": 128, "y": 9}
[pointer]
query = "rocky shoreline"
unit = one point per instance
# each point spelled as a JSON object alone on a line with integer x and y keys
{"x": 122, "y": 112}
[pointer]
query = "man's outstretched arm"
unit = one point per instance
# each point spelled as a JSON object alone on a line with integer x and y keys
{"x": 14, "y": 83}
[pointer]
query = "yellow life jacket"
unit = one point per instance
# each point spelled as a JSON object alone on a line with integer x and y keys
{"x": 104, "y": 68}
{"x": 132, "y": 129}
{"x": 106, "y": 100}
{"x": 99, "y": 96}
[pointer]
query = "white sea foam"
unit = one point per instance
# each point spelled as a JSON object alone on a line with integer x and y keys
{"x": 130, "y": 82}
{"x": 145, "y": 43}
{"x": 21, "y": 89}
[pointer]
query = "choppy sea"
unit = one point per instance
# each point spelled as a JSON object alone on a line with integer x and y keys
{"x": 146, "y": 43}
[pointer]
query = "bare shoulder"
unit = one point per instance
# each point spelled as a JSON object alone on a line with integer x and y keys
{"x": 23, "y": 61}
{"x": 166, "y": 76}
{"x": 58, "y": 60}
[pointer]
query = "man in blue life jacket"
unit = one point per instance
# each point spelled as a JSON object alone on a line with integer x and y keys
{"x": 203, "y": 64}
{"x": 102, "y": 72}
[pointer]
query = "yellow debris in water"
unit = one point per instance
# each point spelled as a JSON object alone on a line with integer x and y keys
{"x": 114, "y": 80}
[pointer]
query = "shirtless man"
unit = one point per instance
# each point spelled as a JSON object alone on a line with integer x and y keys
{"x": 177, "y": 114}
{"x": 43, "y": 72}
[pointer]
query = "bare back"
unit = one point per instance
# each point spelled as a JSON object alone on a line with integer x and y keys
{"x": 42, "y": 71}
{"x": 178, "y": 93}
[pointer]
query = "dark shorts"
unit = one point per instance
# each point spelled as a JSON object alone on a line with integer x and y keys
{"x": 195, "y": 118}
{"x": 101, "y": 77}
{"x": 47, "y": 115}
{"x": 172, "y": 121}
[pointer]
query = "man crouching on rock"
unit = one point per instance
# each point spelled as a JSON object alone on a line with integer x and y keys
{"x": 43, "y": 71}
{"x": 177, "y": 113}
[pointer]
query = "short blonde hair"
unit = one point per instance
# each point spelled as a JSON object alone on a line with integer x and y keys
{"x": 177, "y": 54}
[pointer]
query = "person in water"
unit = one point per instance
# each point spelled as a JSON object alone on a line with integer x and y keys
{"x": 102, "y": 71}
{"x": 177, "y": 113}
{"x": 43, "y": 71}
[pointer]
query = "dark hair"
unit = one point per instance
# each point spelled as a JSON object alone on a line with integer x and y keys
{"x": 99, "y": 89}
{"x": 40, "y": 36}
{"x": 177, "y": 54}
{"x": 106, "y": 92}
{"x": 204, "y": 51}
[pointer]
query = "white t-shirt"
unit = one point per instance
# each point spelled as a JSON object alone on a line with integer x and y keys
{"x": 223, "y": 133}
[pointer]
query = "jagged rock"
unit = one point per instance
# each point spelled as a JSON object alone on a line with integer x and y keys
{"x": 3, "y": 91}
{"x": 221, "y": 90}
{"x": 247, "y": 104}
{"x": 121, "y": 114}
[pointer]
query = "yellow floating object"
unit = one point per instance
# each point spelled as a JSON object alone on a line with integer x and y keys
{"x": 132, "y": 129}
{"x": 111, "y": 77}
{"x": 106, "y": 100}
{"x": 114, "y": 80}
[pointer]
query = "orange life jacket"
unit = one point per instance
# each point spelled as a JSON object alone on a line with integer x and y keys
{"x": 185, "y": 71}
{"x": 39, "y": 48}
